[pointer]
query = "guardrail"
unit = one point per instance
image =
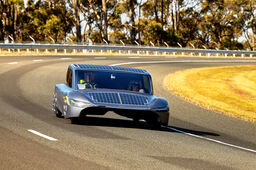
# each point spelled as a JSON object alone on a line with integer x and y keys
{"x": 123, "y": 49}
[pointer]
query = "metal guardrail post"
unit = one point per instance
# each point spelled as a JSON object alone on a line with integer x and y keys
{"x": 11, "y": 38}
{"x": 122, "y": 42}
{"x": 179, "y": 45}
{"x": 217, "y": 54}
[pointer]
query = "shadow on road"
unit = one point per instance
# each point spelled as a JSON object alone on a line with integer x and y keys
{"x": 111, "y": 122}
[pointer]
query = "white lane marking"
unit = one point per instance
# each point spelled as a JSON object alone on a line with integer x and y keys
{"x": 190, "y": 134}
{"x": 42, "y": 135}
{"x": 100, "y": 58}
{"x": 134, "y": 57}
{"x": 170, "y": 57}
{"x": 37, "y": 60}
{"x": 13, "y": 63}
{"x": 186, "y": 61}
{"x": 65, "y": 58}
{"x": 209, "y": 139}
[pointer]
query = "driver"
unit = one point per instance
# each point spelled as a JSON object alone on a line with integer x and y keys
{"x": 88, "y": 81}
{"x": 134, "y": 86}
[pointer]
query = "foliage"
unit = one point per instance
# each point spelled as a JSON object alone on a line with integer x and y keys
{"x": 202, "y": 23}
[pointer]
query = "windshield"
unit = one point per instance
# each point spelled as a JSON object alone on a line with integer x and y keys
{"x": 113, "y": 80}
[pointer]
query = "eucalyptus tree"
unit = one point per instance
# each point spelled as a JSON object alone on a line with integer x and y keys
{"x": 248, "y": 12}
{"x": 10, "y": 12}
{"x": 129, "y": 9}
{"x": 59, "y": 20}
{"x": 217, "y": 23}
{"x": 75, "y": 5}
{"x": 46, "y": 20}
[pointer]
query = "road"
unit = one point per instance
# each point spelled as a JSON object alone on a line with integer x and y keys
{"x": 196, "y": 138}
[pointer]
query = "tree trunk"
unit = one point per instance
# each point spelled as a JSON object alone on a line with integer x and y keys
{"x": 174, "y": 15}
{"x": 155, "y": 10}
{"x": 50, "y": 4}
{"x": 78, "y": 25}
{"x": 15, "y": 16}
{"x": 177, "y": 14}
{"x": 173, "y": 18}
{"x": 162, "y": 16}
{"x": 139, "y": 22}
{"x": 167, "y": 13}
{"x": 105, "y": 18}
{"x": 132, "y": 13}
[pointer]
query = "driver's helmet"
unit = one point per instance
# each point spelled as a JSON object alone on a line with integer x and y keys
{"x": 87, "y": 78}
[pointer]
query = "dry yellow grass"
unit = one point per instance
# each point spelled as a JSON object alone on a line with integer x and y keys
{"x": 230, "y": 90}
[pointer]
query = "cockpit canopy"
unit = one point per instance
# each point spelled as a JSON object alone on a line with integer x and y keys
{"x": 113, "y": 80}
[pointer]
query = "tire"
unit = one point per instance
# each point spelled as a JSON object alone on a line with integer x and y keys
{"x": 58, "y": 114}
{"x": 56, "y": 111}
{"x": 135, "y": 119}
{"x": 75, "y": 120}
{"x": 154, "y": 123}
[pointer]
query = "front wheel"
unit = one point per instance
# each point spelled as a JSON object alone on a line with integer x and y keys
{"x": 136, "y": 119}
{"x": 56, "y": 111}
{"x": 75, "y": 120}
{"x": 154, "y": 123}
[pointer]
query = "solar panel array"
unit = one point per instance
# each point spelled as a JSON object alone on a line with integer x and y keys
{"x": 110, "y": 68}
{"x": 111, "y": 98}
{"x": 128, "y": 69}
{"x": 93, "y": 67}
{"x": 131, "y": 99}
{"x": 119, "y": 98}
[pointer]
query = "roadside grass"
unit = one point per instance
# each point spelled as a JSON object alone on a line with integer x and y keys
{"x": 230, "y": 90}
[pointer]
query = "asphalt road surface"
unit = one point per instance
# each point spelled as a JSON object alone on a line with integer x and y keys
{"x": 33, "y": 138}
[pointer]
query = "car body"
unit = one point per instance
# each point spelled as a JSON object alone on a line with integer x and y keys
{"x": 97, "y": 89}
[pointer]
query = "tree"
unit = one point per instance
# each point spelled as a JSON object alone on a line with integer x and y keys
{"x": 76, "y": 5}
{"x": 221, "y": 23}
{"x": 212, "y": 23}
{"x": 128, "y": 7}
{"x": 249, "y": 14}
{"x": 105, "y": 19}
{"x": 44, "y": 20}
{"x": 10, "y": 13}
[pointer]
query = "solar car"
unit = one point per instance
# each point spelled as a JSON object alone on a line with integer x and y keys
{"x": 98, "y": 89}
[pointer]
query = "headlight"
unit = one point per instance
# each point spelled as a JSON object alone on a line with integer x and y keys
{"x": 160, "y": 105}
{"x": 82, "y": 104}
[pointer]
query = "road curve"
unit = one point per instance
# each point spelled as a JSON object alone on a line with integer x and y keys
{"x": 196, "y": 138}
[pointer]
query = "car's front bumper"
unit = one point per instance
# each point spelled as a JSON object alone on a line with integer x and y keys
{"x": 130, "y": 112}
